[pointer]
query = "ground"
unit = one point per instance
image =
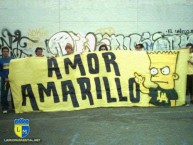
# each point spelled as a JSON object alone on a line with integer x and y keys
{"x": 106, "y": 126}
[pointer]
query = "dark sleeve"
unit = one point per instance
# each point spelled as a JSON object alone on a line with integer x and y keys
{"x": 1, "y": 71}
{"x": 173, "y": 95}
{"x": 152, "y": 92}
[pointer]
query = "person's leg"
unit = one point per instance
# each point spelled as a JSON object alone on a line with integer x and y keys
{"x": 191, "y": 88}
{"x": 12, "y": 103}
{"x": 187, "y": 102}
{"x": 187, "y": 85}
{"x": 4, "y": 93}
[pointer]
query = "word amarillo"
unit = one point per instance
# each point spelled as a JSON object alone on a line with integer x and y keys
{"x": 68, "y": 89}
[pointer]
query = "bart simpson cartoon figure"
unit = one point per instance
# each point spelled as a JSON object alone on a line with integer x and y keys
{"x": 163, "y": 74}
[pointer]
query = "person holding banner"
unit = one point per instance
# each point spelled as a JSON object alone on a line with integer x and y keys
{"x": 4, "y": 72}
{"x": 139, "y": 47}
{"x": 69, "y": 49}
{"x": 39, "y": 52}
{"x": 103, "y": 48}
{"x": 189, "y": 88}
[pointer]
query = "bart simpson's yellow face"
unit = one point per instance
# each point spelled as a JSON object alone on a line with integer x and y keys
{"x": 163, "y": 74}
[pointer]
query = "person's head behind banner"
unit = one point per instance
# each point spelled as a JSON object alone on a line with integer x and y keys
{"x": 69, "y": 49}
{"x": 139, "y": 47}
{"x": 190, "y": 46}
{"x": 5, "y": 52}
{"x": 103, "y": 48}
{"x": 39, "y": 52}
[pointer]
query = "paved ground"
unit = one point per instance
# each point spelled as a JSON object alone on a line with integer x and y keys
{"x": 106, "y": 126}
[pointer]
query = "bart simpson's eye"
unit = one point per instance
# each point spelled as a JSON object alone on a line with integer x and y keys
{"x": 165, "y": 70}
{"x": 154, "y": 71}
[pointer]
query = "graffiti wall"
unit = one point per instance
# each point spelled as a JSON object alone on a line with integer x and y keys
{"x": 91, "y": 42}
{"x": 86, "y": 25}
{"x": 20, "y": 44}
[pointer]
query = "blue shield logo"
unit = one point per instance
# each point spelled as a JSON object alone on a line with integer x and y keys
{"x": 21, "y": 127}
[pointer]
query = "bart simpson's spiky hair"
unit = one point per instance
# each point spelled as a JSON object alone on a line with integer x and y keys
{"x": 165, "y": 57}
{"x": 163, "y": 52}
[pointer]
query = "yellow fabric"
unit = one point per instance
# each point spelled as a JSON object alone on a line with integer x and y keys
{"x": 32, "y": 82}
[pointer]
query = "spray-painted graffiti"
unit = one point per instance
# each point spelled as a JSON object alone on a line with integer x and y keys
{"x": 91, "y": 42}
{"x": 19, "y": 45}
{"x": 108, "y": 30}
{"x": 38, "y": 34}
{"x": 16, "y": 42}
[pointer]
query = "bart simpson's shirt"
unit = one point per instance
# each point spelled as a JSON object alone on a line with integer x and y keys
{"x": 190, "y": 66}
{"x": 162, "y": 97}
{"x": 4, "y": 67}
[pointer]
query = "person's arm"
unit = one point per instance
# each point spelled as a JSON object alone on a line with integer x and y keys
{"x": 2, "y": 75}
{"x": 189, "y": 61}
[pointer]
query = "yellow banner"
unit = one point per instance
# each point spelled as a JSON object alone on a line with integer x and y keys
{"x": 99, "y": 79}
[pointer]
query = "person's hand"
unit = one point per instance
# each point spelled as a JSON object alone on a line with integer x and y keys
{"x": 138, "y": 78}
{"x": 190, "y": 62}
{"x": 6, "y": 80}
{"x": 51, "y": 57}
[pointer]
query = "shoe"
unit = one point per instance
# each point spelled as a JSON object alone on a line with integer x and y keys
{"x": 187, "y": 104}
{"x": 4, "y": 111}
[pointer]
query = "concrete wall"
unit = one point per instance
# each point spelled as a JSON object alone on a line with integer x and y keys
{"x": 158, "y": 24}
